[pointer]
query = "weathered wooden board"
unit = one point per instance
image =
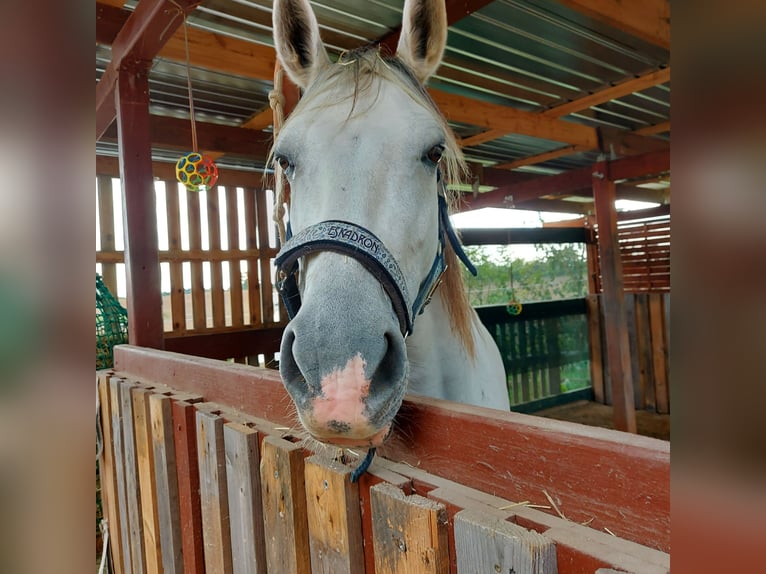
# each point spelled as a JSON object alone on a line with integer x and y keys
{"x": 119, "y": 458}
{"x": 177, "y": 292}
{"x": 248, "y": 550}
{"x": 486, "y": 543}
{"x": 409, "y": 533}
{"x": 235, "y": 275}
{"x": 108, "y": 473}
{"x": 187, "y": 471}
{"x": 659, "y": 352}
{"x": 214, "y": 498}
{"x": 132, "y": 489}
{"x": 334, "y": 519}
{"x": 284, "y": 507}
{"x": 167, "y": 485}
{"x": 596, "y": 353}
{"x": 146, "y": 477}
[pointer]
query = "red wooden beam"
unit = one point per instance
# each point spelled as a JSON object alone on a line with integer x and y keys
{"x": 615, "y": 317}
{"x": 145, "y": 325}
{"x": 608, "y": 478}
{"x": 142, "y": 36}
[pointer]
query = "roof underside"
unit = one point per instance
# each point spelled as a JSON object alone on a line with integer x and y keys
{"x": 525, "y": 55}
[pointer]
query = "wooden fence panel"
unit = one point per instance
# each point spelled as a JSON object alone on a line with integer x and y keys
{"x": 177, "y": 292}
{"x": 334, "y": 519}
{"x": 108, "y": 474}
{"x": 235, "y": 275}
{"x": 284, "y": 507}
{"x": 119, "y": 457}
{"x": 245, "y": 504}
{"x": 409, "y": 533}
{"x": 216, "y": 271}
{"x": 195, "y": 244}
{"x": 253, "y": 282}
{"x": 132, "y": 490}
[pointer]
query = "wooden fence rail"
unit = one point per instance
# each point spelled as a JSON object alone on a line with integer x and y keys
{"x": 233, "y": 490}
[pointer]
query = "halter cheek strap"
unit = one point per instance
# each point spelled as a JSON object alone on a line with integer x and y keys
{"x": 355, "y": 241}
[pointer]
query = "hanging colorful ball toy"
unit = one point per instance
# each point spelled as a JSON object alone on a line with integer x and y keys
{"x": 196, "y": 171}
{"x": 513, "y": 308}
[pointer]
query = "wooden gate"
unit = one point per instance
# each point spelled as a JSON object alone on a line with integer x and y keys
{"x": 203, "y": 472}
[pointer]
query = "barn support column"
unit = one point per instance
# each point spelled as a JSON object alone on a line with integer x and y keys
{"x": 139, "y": 210}
{"x": 615, "y": 320}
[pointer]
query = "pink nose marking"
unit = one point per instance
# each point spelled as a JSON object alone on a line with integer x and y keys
{"x": 343, "y": 394}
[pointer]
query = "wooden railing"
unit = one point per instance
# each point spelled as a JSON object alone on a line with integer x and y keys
{"x": 201, "y": 471}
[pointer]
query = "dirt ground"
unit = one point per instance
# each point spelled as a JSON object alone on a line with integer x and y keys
{"x": 596, "y": 414}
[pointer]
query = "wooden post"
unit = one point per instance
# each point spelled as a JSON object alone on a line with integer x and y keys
{"x": 139, "y": 207}
{"x": 615, "y": 322}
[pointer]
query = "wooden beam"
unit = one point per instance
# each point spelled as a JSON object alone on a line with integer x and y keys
{"x": 176, "y": 133}
{"x": 648, "y": 20}
{"x": 617, "y": 91}
{"x": 659, "y": 128}
{"x": 475, "y": 112}
{"x": 145, "y": 32}
{"x": 260, "y": 120}
{"x": 541, "y": 157}
{"x": 520, "y": 236}
{"x": 228, "y": 344}
{"x": 145, "y": 324}
{"x": 483, "y": 137}
{"x": 615, "y": 319}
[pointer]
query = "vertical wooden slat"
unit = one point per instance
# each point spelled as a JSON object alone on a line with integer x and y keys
{"x": 284, "y": 507}
{"x": 554, "y": 356}
{"x": 334, "y": 519}
{"x": 235, "y": 275}
{"x": 659, "y": 353}
{"x": 146, "y": 477}
{"x": 630, "y": 321}
{"x": 119, "y": 459}
{"x": 248, "y": 548}
{"x": 216, "y": 273}
{"x": 132, "y": 488}
{"x": 108, "y": 474}
{"x": 615, "y": 328}
{"x": 253, "y": 283}
{"x": 526, "y": 394}
{"x": 106, "y": 229}
{"x": 187, "y": 470}
{"x": 167, "y": 484}
{"x": 139, "y": 211}
{"x": 267, "y": 290}
{"x": 645, "y": 363}
{"x": 596, "y": 357}
{"x": 195, "y": 244}
{"x": 214, "y": 497}
{"x": 177, "y": 294}
{"x": 409, "y": 532}
{"x": 489, "y": 543}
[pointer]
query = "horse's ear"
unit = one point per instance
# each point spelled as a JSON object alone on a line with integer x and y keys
{"x": 297, "y": 41}
{"x": 423, "y": 37}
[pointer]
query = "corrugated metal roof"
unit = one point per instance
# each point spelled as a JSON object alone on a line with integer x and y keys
{"x": 527, "y": 54}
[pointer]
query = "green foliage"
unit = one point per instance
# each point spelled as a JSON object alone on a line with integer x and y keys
{"x": 558, "y": 272}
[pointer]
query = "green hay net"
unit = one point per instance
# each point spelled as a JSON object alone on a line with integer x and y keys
{"x": 111, "y": 325}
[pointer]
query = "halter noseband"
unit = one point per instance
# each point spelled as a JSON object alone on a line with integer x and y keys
{"x": 355, "y": 241}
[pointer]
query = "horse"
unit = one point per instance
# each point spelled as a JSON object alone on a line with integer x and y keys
{"x": 367, "y": 155}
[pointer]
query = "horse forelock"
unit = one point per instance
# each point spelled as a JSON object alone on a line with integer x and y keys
{"x": 354, "y": 73}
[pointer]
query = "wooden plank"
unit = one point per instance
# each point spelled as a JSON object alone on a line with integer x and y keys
{"x": 132, "y": 489}
{"x": 146, "y": 476}
{"x": 630, "y": 322}
{"x": 187, "y": 471}
{"x": 177, "y": 292}
{"x": 228, "y": 344}
{"x": 518, "y": 448}
{"x": 409, "y": 532}
{"x": 182, "y": 255}
{"x": 251, "y": 236}
{"x": 214, "y": 498}
{"x": 284, "y": 507}
{"x": 167, "y": 484}
{"x": 334, "y": 519}
{"x": 216, "y": 273}
{"x": 115, "y": 385}
{"x": 106, "y": 229}
{"x": 541, "y": 157}
{"x": 659, "y": 353}
{"x": 554, "y": 356}
{"x": 108, "y": 473}
{"x": 267, "y": 289}
{"x": 487, "y": 543}
{"x": 139, "y": 211}
{"x": 615, "y": 326}
{"x": 245, "y": 504}
{"x": 645, "y": 364}
{"x": 235, "y": 275}
{"x": 195, "y": 243}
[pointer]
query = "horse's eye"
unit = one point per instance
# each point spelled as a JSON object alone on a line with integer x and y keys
{"x": 435, "y": 154}
{"x": 283, "y": 162}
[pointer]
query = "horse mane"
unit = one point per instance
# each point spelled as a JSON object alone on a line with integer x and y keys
{"x": 354, "y": 73}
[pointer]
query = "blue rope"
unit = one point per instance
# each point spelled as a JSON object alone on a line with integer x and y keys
{"x": 363, "y": 466}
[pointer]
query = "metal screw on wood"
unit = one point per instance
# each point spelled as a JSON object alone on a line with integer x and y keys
{"x": 276, "y": 474}
{"x": 326, "y": 485}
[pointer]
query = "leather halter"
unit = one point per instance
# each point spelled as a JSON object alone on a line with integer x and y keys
{"x": 355, "y": 241}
